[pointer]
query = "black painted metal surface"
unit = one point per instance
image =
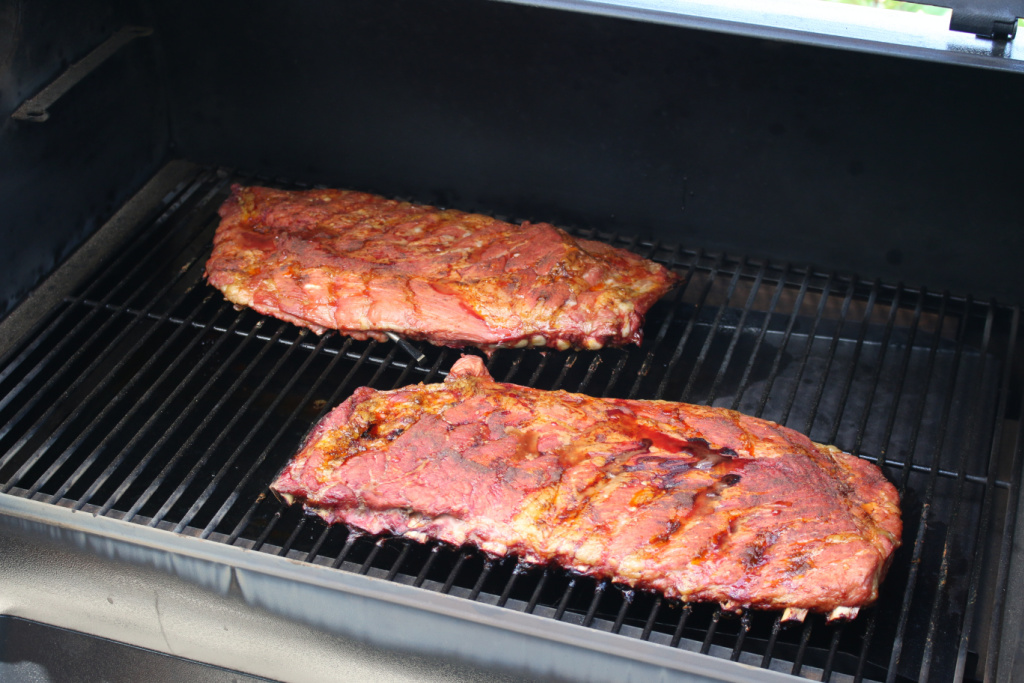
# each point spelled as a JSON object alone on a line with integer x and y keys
{"x": 102, "y": 139}
{"x": 146, "y": 397}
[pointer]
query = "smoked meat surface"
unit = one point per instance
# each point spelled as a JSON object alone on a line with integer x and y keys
{"x": 367, "y": 266}
{"x": 699, "y": 503}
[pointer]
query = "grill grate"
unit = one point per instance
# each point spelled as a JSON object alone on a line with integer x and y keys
{"x": 146, "y": 397}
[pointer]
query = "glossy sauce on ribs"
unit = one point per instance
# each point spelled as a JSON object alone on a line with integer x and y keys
{"x": 702, "y": 504}
{"x": 366, "y": 265}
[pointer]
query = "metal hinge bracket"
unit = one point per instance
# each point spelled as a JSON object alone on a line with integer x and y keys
{"x": 36, "y": 108}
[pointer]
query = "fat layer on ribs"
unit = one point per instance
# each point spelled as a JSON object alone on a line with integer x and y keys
{"x": 702, "y": 504}
{"x": 366, "y": 266}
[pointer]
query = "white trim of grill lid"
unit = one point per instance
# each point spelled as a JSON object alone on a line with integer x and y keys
{"x": 913, "y": 35}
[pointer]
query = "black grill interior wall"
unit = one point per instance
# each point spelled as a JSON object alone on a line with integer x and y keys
{"x": 873, "y": 165}
{"x": 885, "y": 167}
{"x": 61, "y": 179}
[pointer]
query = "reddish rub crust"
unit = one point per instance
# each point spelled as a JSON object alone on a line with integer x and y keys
{"x": 699, "y": 503}
{"x": 366, "y": 265}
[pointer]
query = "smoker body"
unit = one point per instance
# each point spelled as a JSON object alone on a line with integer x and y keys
{"x": 850, "y": 222}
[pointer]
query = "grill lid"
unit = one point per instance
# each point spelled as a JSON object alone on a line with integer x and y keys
{"x": 974, "y": 33}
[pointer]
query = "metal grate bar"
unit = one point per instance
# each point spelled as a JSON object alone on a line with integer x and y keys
{"x": 393, "y": 572}
{"x": 57, "y": 432}
{"x": 769, "y": 650}
{"x": 651, "y": 617}
{"x": 315, "y": 550}
{"x": 620, "y": 365}
{"x": 517, "y": 571}
{"x": 942, "y": 472}
{"x": 144, "y": 462}
{"x": 453, "y": 574}
{"x": 539, "y": 370}
{"x": 479, "y": 585}
{"x": 837, "y": 634}
{"x": 270, "y": 527}
{"x": 599, "y": 590}
{"x": 208, "y": 491}
{"x": 627, "y": 602}
{"x": 247, "y": 517}
{"x": 986, "y": 506}
{"x": 852, "y": 363}
{"x": 100, "y": 480}
{"x": 535, "y": 597}
{"x": 425, "y": 569}
{"x": 677, "y": 635}
{"x": 805, "y": 637}
{"x": 710, "y": 636}
{"x": 286, "y": 548}
{"x": 676, "y": 298}
{"x": 702, "y": 355}
{"x": 737, "y": 334}
{"x": 786, "y": 336}
{"x": 780, "y": 287}
{"x": 811, "y": 337}
{"x": 564, "y": 602}
{"x": 158, "y": 480}
{"x": 869, "y": 633}
{"x": 1005, "y": 551}
{"x": 436, "y": 367}
{"x": 66, "y": 363}
{"x": 674, "y": 360}
{"x": 403, "y": 378}
{"x": 81, "y": 352}
{"x": 41, "y": 333}
{"x": 514, "y": 367}
{"x": 566, "y": 366}
{"x": 224, "y": 431}
{"x": 591, "y": 369}
{"x": 350, "y": 540}
{"x": 883, "y": 349}
{"x": 915, "y": 561}
{"x": 368, "y": 562}
{"x": 957, "y": 505}
{"x": 737, "y": 649}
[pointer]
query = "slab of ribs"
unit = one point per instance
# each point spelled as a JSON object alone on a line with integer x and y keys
{"x": 699, "y": 503}
{"x": 369, "y": 266}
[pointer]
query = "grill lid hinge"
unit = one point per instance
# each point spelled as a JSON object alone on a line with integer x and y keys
{"x": 36, "y": 108}
{"x": 995, "y": 19}
{"x": 984, "y": 24}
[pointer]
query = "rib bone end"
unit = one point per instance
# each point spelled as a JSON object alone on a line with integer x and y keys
{"x": 847, "y": 613}
{"x": 794, "y": 614}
